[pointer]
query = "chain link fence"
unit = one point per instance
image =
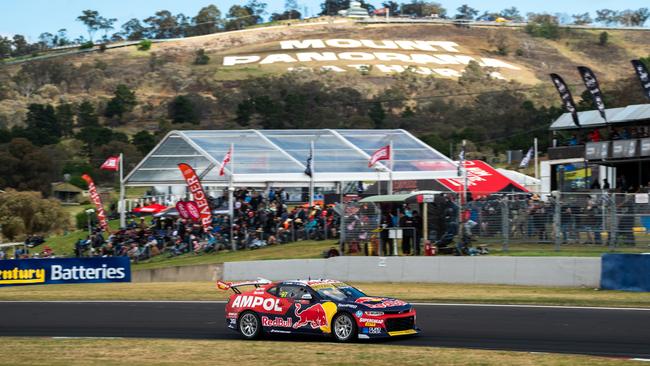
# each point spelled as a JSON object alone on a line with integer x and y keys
{"x": 589, "y": 222}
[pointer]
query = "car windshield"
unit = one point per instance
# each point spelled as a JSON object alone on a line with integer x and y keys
{"x": 337, "y": 291}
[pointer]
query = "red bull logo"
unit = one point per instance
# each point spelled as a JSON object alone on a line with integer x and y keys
{"x": 314, "y": 316}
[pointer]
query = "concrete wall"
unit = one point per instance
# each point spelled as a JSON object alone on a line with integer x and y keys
{"x": 536, "y": 271}
{"x": 539, "y": 271}
{"x": 204, "y": 272}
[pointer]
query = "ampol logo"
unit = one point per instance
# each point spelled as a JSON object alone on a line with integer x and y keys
{"x": 269, "y": 304}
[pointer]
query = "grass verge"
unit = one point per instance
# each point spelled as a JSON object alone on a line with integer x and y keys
{"x": 424, "y": 292}
{"x": 48, "y": 351}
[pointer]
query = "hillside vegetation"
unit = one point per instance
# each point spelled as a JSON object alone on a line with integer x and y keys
{"x": 125, "y": 99}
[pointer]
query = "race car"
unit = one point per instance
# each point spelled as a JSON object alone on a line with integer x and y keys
{"x": 327, "y": 307}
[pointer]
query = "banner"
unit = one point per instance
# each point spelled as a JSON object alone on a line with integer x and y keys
{"x": 482, "y": 179}
{"x": 97, "y": 200}
{"x": 381, "y": 154}
{"x": 644, "y": 76}
{"x": 194, "y": 185}
{"x": 112, "y": 163}
{"x": 226, "y": 160}
{"x": 64, "y": 270}
{"x": 591, "y": 83}
{"x": 567, "y": 100}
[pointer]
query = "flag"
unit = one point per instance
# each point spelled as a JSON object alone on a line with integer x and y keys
{"x": 195, "y": 187}
{"x": 567, "y": 99}
{"x": 310, "y": 158}
{"x": 526, "y": 160}
{"x": 97, "y": 200}
{"x": 226, "y": 160}
{"x": 591, "y": 83}
{"x": 112, "y": 163}
{"x": 381, "y": 154}
{"x": 644, "y": 76}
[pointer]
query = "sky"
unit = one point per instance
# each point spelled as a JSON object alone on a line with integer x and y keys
{"x": 33, "y": 17}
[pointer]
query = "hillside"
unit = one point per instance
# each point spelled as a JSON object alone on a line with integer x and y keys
{"x": 346, "y": 62}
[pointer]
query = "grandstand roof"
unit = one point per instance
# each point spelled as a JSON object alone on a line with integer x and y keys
{"x": 278, "y": 156}
{"x": 592, "y": 119}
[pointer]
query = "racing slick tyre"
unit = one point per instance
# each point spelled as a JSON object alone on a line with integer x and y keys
{"x": 344, "y": 328}
{"x": 249, "y": 325}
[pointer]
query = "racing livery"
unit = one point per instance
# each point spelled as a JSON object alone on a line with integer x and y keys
{"x": 326, "y": 307}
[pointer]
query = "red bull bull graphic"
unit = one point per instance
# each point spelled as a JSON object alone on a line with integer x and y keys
{"x": 313, "y": 315}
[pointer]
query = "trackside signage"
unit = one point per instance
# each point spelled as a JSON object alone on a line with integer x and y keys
{"x": 64, "y": 270}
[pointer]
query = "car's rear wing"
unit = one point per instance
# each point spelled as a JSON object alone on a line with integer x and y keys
{"x": 221, "y": 285}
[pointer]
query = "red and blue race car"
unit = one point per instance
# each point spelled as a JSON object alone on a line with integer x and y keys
{"x": 326, "y": 307}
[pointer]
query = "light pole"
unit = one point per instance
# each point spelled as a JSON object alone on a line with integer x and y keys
{"x": 89, "y": 212}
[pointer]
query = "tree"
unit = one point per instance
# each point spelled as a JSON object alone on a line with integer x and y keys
{"x": 144, "y": 142}
{"x": 473, "y": 73}
{"x": 133, "y": 30}
{"x": 42, "y": 125}
{"x": 466, "y": 12}
{"x": 633, "y": 18}
{"x": 240, "y": 17}
{"x": 94, "y": 137}
{"x": 377, "y": 114}
{"x": 86, "y": 115}
{"x": 65, "y": 118}
{"x": 392, "y": 6}
{"x": 421, "y": 8}
{"x": 332, "y": 7}
{"x": 5, "y": 47}
{"x": 183, "y": 110}
{"x": 25, "y": 166}
{"x": 164, "y": 25}
{"x": 207, "y": 21}
{"x": 106, "y": 25}
{"x": 603, "y": 38}
{"x": 122, "y": 102}
{"x": 29, "y": 213}
{"x": 513, "y": 14}
{"x": 607, "y": 16}
{"x": 582, "y": 19}
{"x": 92, "y": 21}
{"x": 287, "y": 15}
{"x": 543, "y": 25}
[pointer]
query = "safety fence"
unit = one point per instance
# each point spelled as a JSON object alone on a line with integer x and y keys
{"x": 593, "y": 221}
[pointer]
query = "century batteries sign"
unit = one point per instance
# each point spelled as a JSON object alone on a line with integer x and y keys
{"x": 64, "y": 270}
{"x": 426, "y": 57}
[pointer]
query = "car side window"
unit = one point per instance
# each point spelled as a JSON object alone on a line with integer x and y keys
{"x": 273, "y": 291}
{"x": 294, "y": 292}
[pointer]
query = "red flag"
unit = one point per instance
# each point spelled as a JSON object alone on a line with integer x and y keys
{"x": 194, "y": 185}
{"x": 381, "y": 154}
{"x": 226, "y": 160}
{"x": 97, "y": 200}
{"x": 112, "y": 163}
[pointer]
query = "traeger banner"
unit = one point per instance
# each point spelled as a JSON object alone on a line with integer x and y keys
{"x": 64, "y": 270}
{"x": 644, "y": 76}
{"x": 97, "y": 200}
{"x": 565, "y": 95}
{"x": 591, "y": 83}
{"x": 195, "y": 187}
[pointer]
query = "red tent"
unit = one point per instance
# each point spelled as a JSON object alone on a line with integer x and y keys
{"x": 482, "y": 180}
{"x": 151, "y": 209}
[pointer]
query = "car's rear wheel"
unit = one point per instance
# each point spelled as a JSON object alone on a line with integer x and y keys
{"x": 345, "y": 327}
{"x": 250, "y": 326}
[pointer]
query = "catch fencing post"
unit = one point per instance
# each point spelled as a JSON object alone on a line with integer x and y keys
{"x": 557, "y": 219}
{"x": 505, "y": 227}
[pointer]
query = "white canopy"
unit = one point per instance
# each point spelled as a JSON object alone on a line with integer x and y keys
{"x": 280, "y": 156}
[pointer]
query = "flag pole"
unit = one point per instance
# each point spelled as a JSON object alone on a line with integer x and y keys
{"x": 231, "y": 195}
{"x": 536, "y": 159}
{"x": 390, "y": 164}
{"x": 121, "y": 203}
{"x": 311, "y": 177}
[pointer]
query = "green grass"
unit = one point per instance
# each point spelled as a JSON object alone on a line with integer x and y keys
{"x": 298, "y": 250}
{"x": 570, "y": 250}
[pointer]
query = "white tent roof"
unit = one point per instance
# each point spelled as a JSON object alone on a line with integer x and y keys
{"x": 521, "y": 178}
{"x": 592, "y": 119}
{"x": 279, "y": 156}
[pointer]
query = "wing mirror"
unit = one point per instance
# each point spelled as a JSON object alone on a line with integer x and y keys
{"x": 306, "y": 297}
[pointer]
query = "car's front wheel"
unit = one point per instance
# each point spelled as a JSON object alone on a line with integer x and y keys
{"x": 250, "y": 326}
{"x": 345, "y": 327}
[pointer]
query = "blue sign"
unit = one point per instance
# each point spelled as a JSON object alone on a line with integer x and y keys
{"x": 64, "y": 270}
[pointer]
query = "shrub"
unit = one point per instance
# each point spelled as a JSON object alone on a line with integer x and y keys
{"x": 201, "y": 57}
{"x": 87, "y": 45}
{"x": 603, "y": 38}
{"x": 144, "y": 45}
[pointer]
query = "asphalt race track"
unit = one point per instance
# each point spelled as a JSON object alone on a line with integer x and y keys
{"x": 610, "y": 332}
